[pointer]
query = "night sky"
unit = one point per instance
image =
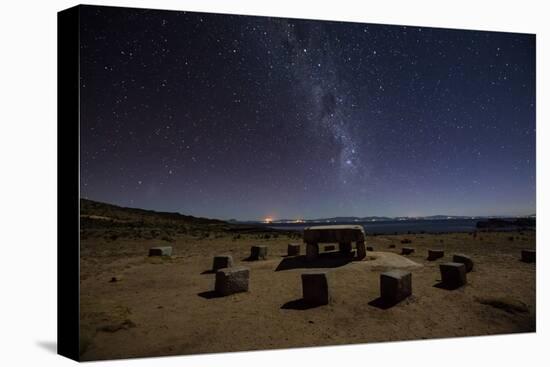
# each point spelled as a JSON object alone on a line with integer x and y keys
{"x": 228, "y": 116}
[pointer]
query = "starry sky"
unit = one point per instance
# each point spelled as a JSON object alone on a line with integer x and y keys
{"x": 239, "y": 117}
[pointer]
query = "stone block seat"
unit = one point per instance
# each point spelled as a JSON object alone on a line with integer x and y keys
{"x": 232, "y": 280}
{"x": 258, "y": 252}
{"x": 344, "y": 235}
{"x": 222, "y": 261}
{"x": 315, "y": 287}
{"x": 466, "y": 260}
{"x": 434, "y": 254}
{"x": 453, "y": 275}
{"x": 293, "y": 249}
{"x": 395, "y": 285}
{"x": 528, "y": 256}
{"x": 160, "y": 251}
{"x": 407, "y": 250}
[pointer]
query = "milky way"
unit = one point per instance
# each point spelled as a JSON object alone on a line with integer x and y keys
{"x": 243, "y": 117}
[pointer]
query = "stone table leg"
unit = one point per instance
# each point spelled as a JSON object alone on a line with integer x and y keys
{"x": 361, "y": 251}
{"x": 344, "y": 247}
{"x": 312, "y": 251}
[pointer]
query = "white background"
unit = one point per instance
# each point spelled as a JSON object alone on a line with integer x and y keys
{"x": 28, "y": 169}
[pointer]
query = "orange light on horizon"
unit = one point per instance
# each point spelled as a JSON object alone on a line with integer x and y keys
{"x": 268, "y": 220}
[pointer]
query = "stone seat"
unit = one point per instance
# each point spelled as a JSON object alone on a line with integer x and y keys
{"x": 466, "y": 260}
{"x": 528, "y": 256}
{"x": 435, "y": 254}
{"x": 315, "y": 287}
{"x": 293, "y": 249}
{"x": 232, "y": 280}
{"x": 222, "y": 261}
{"x": 258, "y": 252}
{"x": 395, "y": 285}
{"x": 160, "y": 251}
{"x": 453, "y": 275}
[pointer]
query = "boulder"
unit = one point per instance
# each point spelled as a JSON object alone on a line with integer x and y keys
{"x": 395, "y": 285}
{"x": 315, "y": 287}
{"x": 232, "y": 280}
{"x": 160, "y": 251}
{"x": 370, "y": 248}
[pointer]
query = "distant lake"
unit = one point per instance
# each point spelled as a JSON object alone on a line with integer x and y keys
{"x": 399, "y": 226}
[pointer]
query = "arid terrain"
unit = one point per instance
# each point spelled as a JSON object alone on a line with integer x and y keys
{"x": 133, "y": 305}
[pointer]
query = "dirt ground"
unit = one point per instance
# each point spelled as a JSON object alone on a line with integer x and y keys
{"x": 133, "y": 305}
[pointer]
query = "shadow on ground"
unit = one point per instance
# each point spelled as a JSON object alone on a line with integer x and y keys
{"x": 382, "y": 303}
{"x": 209, "y": 294}
{"x": 325, "y": 260}
{"x": 50, "y": 346}
{"x": 448, "y": 287}
{"x": 298, "y": 304}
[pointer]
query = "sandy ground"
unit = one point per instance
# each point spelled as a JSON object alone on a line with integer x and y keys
{"x": 165, "y": 306}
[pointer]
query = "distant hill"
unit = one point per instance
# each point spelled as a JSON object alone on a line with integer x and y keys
{"x": 98, "y": 215}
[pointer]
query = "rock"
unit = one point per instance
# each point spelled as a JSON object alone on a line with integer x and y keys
{"x": 453, "y": 275}
{"x": 370, "y": 248}
{"x": 232, "y": 280}
{"x": 222, "y": 261}
{"x": 466, "y": 260}
{"x": 391, "y": 246}
{"x": 407, "y": 250}
{"x": 293, "y": 249}
{"x": 315, "y": 287}
{"x": 528, "y": 256}
{"x": 395, "y": 285}
{"x": 160, "y": 251}
{"x": 258, "y": 252}
{"x": 330, "y": 248}
{"x": 436, "y": 254}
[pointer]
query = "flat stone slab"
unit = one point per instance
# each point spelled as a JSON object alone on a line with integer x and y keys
{"x": 232, "y": 280}
{"x": 435, "y": 254}
{"x": 222, "y": 261}
{"x": 466, "y": 260}
{"x": 395, "y": 285}
{"x": 407, "y": 250}
{"x": 293, "y": 249}
{"x": 528, "y": 256}
{"x": 315, "y": 287}
{"x": 336, "y": 234}
{"x": 160, "y": 251}
{"x": 453, "y": 275}
{"x": 258, "y": 252}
